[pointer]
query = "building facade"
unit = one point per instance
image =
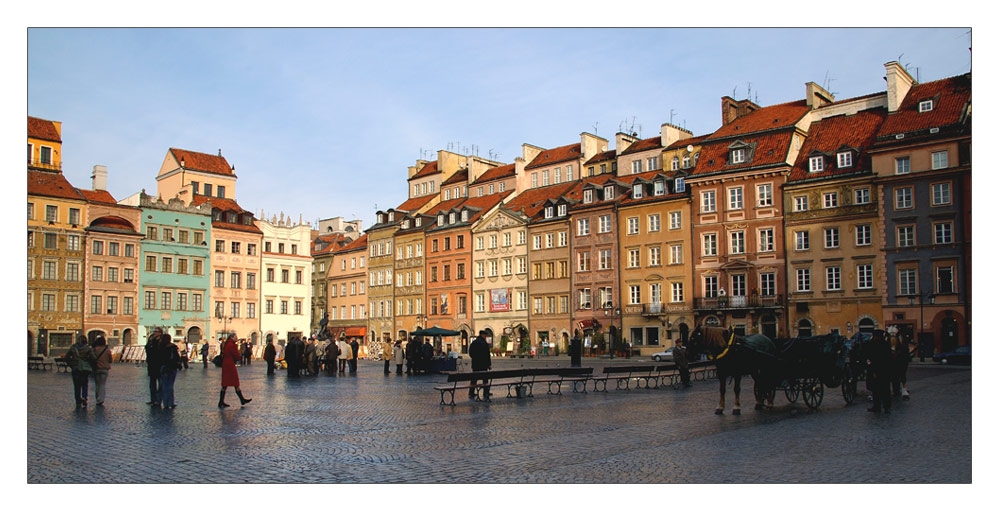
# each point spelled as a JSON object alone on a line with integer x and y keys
{"x": 348, "y": 302}
{"x": 286, "y": 288}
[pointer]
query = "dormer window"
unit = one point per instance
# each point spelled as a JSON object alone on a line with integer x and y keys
{"x": 417, "y": 221}
{"x": 675, "y": 164}
{"x": 609, "y": 192}
{"x": 479, "y": 191}
{"x": 381, "y": 218}
{"x": 637, "y": 191}
{"x": 465, "y": 215}
{"x": 451, "y": 218}
{"x": 588, "y": 196}
{"x": 738, "y": 156}
{"x": 406, "y": 224}
{"x": 392, "y": 216}
{"x": 441, "y": 219}
{"x": 678, "y": 185}
{"x": 926, "y": 106}
{"x": 815, "y": 163}
{"x": 687, "y": 162}
{"x": 548, "y": 212}
{"x": 562, "y": 210}
{"x": 843, "y": 159}
{"x": 447, "y": 195}
{"x": 659, "y": 188}
{"x": 231, "y": 217}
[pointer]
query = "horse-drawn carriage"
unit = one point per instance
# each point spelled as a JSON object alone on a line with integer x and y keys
{"x": 804, "y": 367}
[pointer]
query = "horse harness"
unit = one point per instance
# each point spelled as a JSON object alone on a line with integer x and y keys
{"x": 732, "y": 338}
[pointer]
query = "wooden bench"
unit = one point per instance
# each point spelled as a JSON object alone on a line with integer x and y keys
{"x": 702, "y": 369}
{"x": 624, "y": 374}
{"x": 61, "y": 364}
{"x": 554, "y": 378}
{"x": 662, "y": 374}
{"x": 38, "y": 363}
{"x": 485, "y": 379}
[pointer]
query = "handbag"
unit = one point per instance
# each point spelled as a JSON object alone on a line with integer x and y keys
{"x": 217, "y": 360}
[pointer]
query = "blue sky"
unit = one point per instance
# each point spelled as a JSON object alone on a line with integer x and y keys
{"x": 324, "y": 122}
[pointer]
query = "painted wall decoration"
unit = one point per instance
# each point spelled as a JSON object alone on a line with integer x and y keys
{"x": 499, "y": 299}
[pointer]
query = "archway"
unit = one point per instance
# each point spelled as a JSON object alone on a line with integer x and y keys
{"x": 866, "y": 325}
{"x": 93, "y": 334}
{"x": 489, "y": 336}
{"x": 712, "y": 321}
{"x": 465, "y": 342}
{"x": 253, "y": 338}
{"x": 949, "y": 334}
{"x": 805, "y": 328}
{"x": 194, "y": 335}
{"x": 127, "y": 337}
{"x": 684, "y": 330}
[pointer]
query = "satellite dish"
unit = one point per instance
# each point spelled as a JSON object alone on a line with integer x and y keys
{"x": 690, "y": 148}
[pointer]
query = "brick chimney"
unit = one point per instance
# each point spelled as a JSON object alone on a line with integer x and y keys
{"x": 99, "y": 178}
{"x": 623, "y": 141}
{"x": 897, "y": 84}
{"x": 817, "y": 96}
{"x": 670, "y": 134}
{"x": 732, "y": 109}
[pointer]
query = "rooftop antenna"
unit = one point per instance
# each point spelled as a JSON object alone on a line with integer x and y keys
{"x": 671, "y": 116}
{"x": 748, "y": 89}
{"x": 595, "y": 127}
{"x": 734, "y": 91}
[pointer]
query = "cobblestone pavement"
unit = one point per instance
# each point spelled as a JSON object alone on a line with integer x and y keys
{"x": 391, "y": 429}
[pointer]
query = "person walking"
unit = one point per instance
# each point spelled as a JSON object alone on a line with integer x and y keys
{"x": 153, "y": 366}
{"x": 102, "y": 365}
{"x": 681, "y": 361}
{"x": 412, "y": 355}
{"x": 80, "y": 359}
{"x": 184, "y": 357}
{"x": 230, "y": 375}
{"x": 386, "y": 354}
{"x": 426, "y": 355}
{"x": 247, "y": 353}
{"x": 204, "y": 355}
{"x": 879, "y": 371}
{"x": 354, "y": 355}
{"x": 170, "y": 362}
{"x": 398, "y": 356}
{"x": 345, "y": 354}
{"x": 479, "y": 353}
{"x": 575, "y": 350}
{"x": 269, "y": 354}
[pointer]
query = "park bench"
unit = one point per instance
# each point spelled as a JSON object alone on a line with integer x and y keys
{"x": 702, "y": 370}
{"x": 661, "y": 375}
{"x": 61, "y": 364}
{"x": 559, "y": 376}
{"x": 624, "y": 374}
{"x": 38, "y": 363}
{"x": 485, "y": 379}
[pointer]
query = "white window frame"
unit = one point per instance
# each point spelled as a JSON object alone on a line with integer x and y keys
{"x": 902, "y": 165}
{"x": 800, "y": 203}
{"x": 833, "y": 281}
{"x": 633, "y": 258}
{"x": 802, "y": 240}
{"x": 830, "y": 200}
{"x": 863, "y": 235}
{"x": 803, "y": 280}
{"x": 944, "y": 233}
{"x": 632, "y": 224}
{"x": 737, "y": 242}
{"x": 831, "y": 238}
{"x": 653, "y": 221}
{"x": 765, "y": 240}
{"x": 925, "y": 106}
{"x": 936, "y": 160}
{"x": 675, "y": 220}
{"x": 903, "y": 198}
{"x": 709, "y": 244}
{"x": 765, "y": 195}
{"x": 866, "y": 276}
{"x": 735, "y": 195}
{"x": 708, "y": 201}
{"x": 844, "y": 159}
{"x": 941, "y": 193}
{"x": 815, "y": 164}
{"x": 862, "y": 195}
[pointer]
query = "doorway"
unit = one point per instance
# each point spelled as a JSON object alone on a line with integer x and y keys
{"x": 769, "y": 326}
{"x": 949, "y": 334}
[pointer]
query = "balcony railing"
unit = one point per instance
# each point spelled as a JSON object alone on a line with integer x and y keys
{"x": 740, "y": 302}
{"x": 48, "y": 166}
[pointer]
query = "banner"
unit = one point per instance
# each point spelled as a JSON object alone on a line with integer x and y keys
{"x": 499, "y": 300}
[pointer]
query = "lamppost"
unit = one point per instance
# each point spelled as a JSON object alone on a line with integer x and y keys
{"x": 618, "y": 315}
{"x": 225, "y": 322}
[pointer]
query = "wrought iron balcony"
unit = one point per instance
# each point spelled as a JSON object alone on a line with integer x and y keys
{"x": 45, "y": 166}
{"x": 740, "y": 302}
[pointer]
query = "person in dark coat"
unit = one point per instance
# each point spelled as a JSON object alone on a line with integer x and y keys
{"x": 247, "y": 353}
{"x": 292, "y": 357}
{"x": 81, "y": 360}
{"x": 170, "y": 362}
{"x": 879, "y": 371}
{"x": 204, "y": 355}
{"x": 575, "y": 350}
{"x": 479, "y": 353}
{"x": 354, "y": 355}
{"x": 153, "y": 366}
{"x": 412, "y": 353}
{"x": 681, "y": 361}
{"x": 426, "y": 355}
{"x": 269, "y": 355}
{"x": 230, "y": 375}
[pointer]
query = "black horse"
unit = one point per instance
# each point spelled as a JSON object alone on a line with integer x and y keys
{"x": 734, "y": 356}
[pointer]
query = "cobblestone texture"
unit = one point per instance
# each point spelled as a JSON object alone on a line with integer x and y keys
{"x": 391, "y": 429}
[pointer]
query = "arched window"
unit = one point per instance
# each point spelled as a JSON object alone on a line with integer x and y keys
{"x": 866, "y": 325}
{"x": 675, "y": 164}
{"x": 805, "y": 328}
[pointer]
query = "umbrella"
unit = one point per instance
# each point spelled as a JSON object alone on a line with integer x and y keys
{"x": 435, "y": 331}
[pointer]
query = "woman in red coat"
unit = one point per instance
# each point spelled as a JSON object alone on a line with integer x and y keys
{"x": 230, "y": 377}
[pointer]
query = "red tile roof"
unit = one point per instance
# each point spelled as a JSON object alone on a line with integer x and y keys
{"x": 97, "y": 196}
{"x": 51, "y": 184}
{"x": 601, "y": 157}
{"x": 427, "y": 170}
{"x": 359, "y": 243}
{"x": 767, "y": 118}
{"x": 504, "y": 171}
{"x": 643, "y": 145}
{"x": 555, "y": 155}
{"x": 444, "y": 206}
{"x": 114, "y": 223}
{"x": 226, "y": 205}
{"x": 43, "y": 129}
{"x": 460, "y": 176}
{"x": 416, "y": 203}
{"x": 648, "y": 176}
{"x": 215, "y": 164}
{"x": 531, "y": 201}
{"x": 332, "y": 242}
{"x": 950, "y": 95}
{"x": 833, "y": 133}
{"x": 768, "y": 149}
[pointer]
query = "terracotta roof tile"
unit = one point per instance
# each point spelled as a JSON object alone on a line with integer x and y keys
{"x": 331, "y": 243}
{"x": 646, "y": 198}
{"x": 829, "y": 135}
{"x": 767, "y": 149}
{"x": 97, "y": 196}
{"x": 602, "y": 157}
{"x": 444, "y": 206}
{"x": 555, "y": 155}
{"x": 416, "y": 203}
{"x": 43, "y": 129}
{"x": 767, "y": 118}
{"x": 215, "y": 164}
{"x": 359, "y": 243}
{"x": 504, "y": 171}
{"x": 643, "y": 145}
{"x": 226, "y": 205}
{"x": 51, "y": 184}
{"x": 531, "y": 201}
{"x": 460, "y": 176}
{"x": 427, "y": 170}
{"x": 113, "y": 224}
{"x": 950, "y": 95}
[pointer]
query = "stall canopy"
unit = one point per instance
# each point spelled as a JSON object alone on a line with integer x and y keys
{"x": 435, "y": 331}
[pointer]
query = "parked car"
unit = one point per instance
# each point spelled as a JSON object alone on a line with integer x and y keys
{"x": 961, "y": 355}
{"x": 666, "y": 355}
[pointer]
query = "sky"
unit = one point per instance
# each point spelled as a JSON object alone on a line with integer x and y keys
{"x": 324, "y": 122}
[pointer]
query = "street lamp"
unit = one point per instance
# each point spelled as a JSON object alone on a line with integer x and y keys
{"x": 225, "y": 321}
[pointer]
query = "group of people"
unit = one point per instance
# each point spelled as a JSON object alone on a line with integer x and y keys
{"x": 307, "y": 356}
{"x": 888, "y": 357}
{"x": 85, "y": 360}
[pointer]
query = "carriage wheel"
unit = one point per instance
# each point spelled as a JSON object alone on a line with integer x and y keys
{"x": 849, "y": 388}
{"x": 792, "y": 392}
{"x": 812, "y": 392}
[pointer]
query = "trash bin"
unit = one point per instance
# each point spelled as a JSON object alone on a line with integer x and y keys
{"x": 521, "y": 390}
